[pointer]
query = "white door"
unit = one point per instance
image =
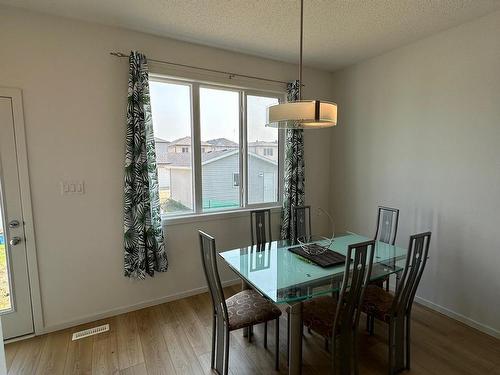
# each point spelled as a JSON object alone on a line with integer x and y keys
{"x": 15, "y": 299}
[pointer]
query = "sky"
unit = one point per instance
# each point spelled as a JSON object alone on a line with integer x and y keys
{"x": 170, "y": 105}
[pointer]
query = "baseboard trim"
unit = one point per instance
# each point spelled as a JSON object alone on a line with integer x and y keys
{"x": 125, "y": 309}
{"x": 461, "y": 318}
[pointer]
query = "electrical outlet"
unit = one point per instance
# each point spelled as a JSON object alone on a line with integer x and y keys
{"x": 72, "y": 187}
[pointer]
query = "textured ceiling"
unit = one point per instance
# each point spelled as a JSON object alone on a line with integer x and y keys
{"x": 337, "y": 32}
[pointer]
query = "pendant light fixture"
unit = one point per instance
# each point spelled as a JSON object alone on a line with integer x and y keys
{"x": 302, "y": 114}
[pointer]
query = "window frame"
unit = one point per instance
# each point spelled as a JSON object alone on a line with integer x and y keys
{"x": 196, "y": 159}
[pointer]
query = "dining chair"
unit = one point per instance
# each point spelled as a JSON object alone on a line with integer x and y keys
{"x": 260, "y": 233}
{"x": 395, "y": 309}
{"x": 260, "y": 226}
{"x": 338, "y": 320}
{"x": 302, "y": 221}
{"x": 386, "y": 232}
{"x": 387, "y": 225}
{"x": 241, "y": 310}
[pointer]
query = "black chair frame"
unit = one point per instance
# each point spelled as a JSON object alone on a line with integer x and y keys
{"x": 220, "y": 319}
{"x": 400, "y": 312}
{"x": 345, "y": 327}
{"x": 260, "y": 226}
{"x": 302, "y": 221}
{"x": 387, "y": 231}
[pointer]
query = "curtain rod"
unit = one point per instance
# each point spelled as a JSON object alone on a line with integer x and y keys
{"x": 230, "y": 74}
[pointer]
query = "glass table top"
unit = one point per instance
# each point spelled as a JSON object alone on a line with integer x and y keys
{"x": 285, "y": 277}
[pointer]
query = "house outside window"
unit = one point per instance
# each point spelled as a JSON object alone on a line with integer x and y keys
{"x": 235, "y": 163}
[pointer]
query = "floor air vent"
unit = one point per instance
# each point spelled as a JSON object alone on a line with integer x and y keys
{"x": 90, "y": 332}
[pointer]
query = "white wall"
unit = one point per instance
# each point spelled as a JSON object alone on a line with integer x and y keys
{"x": 74, "y": 103}
{"x": 420, "y": 130}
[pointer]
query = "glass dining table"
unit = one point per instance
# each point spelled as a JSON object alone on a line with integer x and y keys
{"x": 287, "y": 278}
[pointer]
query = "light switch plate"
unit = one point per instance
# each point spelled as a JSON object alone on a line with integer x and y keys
{"x": 72, "y": 187}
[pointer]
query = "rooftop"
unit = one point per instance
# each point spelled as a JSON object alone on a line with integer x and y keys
{"x": 222, "y": 142}
{"x": 186, "y": 141}
{"x": 183, "y": 159}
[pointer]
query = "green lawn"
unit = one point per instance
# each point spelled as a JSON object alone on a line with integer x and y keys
{"x": 4, "y": 280}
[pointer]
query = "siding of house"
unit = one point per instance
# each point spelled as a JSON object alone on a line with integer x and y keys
{"x": 163, "y": 176}
{"x": 262, "y": 181}
{"x": 180, "y": 186}
{"x": 218, "y": 180}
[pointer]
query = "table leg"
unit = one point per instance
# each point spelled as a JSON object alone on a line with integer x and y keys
{"x": 295, "y": 340}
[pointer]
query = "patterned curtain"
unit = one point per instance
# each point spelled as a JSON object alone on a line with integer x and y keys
{"x": 293, "y": 186}
{"x": 143, "y": 234}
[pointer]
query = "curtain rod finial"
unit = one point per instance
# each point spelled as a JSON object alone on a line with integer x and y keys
{"x": 118, "y": 54}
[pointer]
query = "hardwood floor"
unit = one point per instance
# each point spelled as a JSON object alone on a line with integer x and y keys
{"x": 174, "y": 338}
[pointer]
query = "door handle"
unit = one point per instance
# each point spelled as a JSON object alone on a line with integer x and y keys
{"x": 15, "y": 241}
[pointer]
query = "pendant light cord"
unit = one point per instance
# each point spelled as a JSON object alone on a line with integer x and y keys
{"x": 301, "y": 46}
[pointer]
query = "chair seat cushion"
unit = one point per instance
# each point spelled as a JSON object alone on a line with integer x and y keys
{"x": 248, "y": 307}
{"x": 318, "y": 314}
{"x": 378, "y": 302}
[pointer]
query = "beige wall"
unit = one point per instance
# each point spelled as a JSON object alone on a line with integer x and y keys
{"x": 419, "y": 129}
{"x": 74, "y": 103}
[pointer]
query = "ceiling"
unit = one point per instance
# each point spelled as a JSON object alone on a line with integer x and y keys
{"x": 337, "y": 32}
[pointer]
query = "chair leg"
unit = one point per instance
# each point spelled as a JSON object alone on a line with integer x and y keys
{"x": 372, "y": 325}
{"x": 212, "y": 358}
{"x": 250, "y": 333}
{"x": 326, "y": 343}
{"x": 334, "y": 355}
{"x": 277, "y": 339}
{"x": 355, "y": 354}
{"x": 288, "y": 337}
{"x": 407, "y": 346}
{"x": 226, "y": 351}
{"x": 265, "y": 335}
{"x": 391, "y": 349}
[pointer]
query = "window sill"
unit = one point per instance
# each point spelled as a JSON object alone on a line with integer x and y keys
{"x": 209, "y": 216}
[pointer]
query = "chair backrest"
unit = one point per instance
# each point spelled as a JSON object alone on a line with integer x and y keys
{"x": 260, "y": 226}
{"x": 416, "y": 259}
{"x": 209, "y": 261}
{"x": 387, "y": 225}
{"x": 302, "y": 221}
{"x": 358, "y": 267}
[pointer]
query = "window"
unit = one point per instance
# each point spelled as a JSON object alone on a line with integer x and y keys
{"x": 213, "y": 150}
{"x": 262, "y": 160}
{"x": 220, "y": 127}
{"x": 172, "y": 126}
{"x": 236, "y": 179}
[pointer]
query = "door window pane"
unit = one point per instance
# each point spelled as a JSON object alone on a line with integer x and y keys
{"x": 171, "y": 111}
{"x": 220, "y": 157}
{"x": 262, "y": 152}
